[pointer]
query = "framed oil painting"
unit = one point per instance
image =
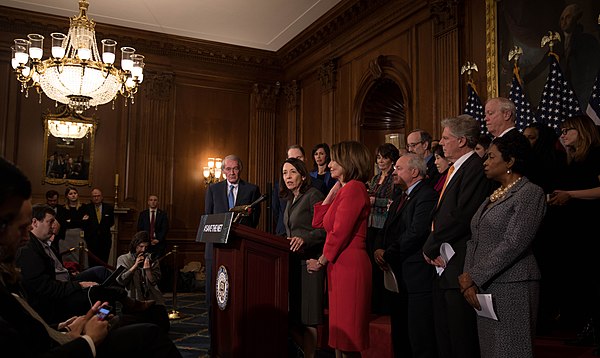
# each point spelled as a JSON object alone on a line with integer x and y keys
{"x": 68, "y": 156}
{"x": 520, "y": 23}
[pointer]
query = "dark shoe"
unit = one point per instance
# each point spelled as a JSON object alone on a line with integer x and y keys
{"x": 585, "y": 338}
{"x": 133, "y": 306}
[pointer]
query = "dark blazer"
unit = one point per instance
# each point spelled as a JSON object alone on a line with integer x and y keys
{"x": 452, "y": 217}
{"x": 433, "y": 175}
{"x": 297, "y": 219}
{"x": 97, "y": 234}
{"x": 216, "y": 200}
{"x": 403, "y": 236}
{"x": 38, "y": 278}
{"x": 21, "y": 335}
{"x": 161, "y": 227}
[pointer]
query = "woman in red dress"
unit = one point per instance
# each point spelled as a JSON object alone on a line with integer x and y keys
{"x": 343, "y": 214}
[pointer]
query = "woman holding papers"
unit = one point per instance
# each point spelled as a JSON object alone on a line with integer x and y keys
{"x": 499, "y": 259}
{"x": 306, "y": 242}
{"x": 343, "y": 214}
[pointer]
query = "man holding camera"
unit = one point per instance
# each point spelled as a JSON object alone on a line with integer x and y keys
{"x": 141, "y": 277}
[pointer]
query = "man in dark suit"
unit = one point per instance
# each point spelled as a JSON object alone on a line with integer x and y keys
{"x": 23, "y": 333}
{"x": 224, "y": 195}
{"x": 418, "y": 141}
{"x": 465, "y": 189}
{"x": 156, "y": 223}
{"x": 59, "y": 210}
{"x": 399, "y": 246}
{"x": 97, "y": 228}
{"x": 500, "y": 117}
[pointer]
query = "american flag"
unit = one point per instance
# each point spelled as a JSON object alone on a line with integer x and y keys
{"x": 558, "y": 98}
{"x": 593, "y": 108}
{"x": 474, "y": 108}
{"x": 525, "y": 115}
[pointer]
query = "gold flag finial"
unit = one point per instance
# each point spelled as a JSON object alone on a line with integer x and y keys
{"x": 515, "y": 54}
{"x": 469, "y": 67}
{"x": 550, "y": 39}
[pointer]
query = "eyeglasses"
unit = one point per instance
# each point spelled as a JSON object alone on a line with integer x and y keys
{"x": 412, "y": 145}
{"x": 234, "y": 169}
{"x": 564, "y": 131}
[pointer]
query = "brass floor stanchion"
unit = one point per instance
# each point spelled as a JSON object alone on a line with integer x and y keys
{"x": 174, "y": 314}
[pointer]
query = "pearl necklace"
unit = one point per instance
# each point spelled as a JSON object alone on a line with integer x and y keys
{"x": 501, "y": 192}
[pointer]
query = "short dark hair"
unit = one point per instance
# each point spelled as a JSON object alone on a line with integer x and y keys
{"x": 517, "y": 148}
{"x": 325, "y": 147}
{"x": 69, "y": 188}
{"x": 139, "y": 238}
{"x": 286, "y": 193}
{"x": 51, "y": 193}
{"x": 13, "y": 183}
{"x": 389, "y": 151}
{"x": 355, "y": 158}
{"x": 296, "y": 146}
{"x": 40, "y": 210}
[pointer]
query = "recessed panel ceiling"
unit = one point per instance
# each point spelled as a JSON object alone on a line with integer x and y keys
{"x": 263, "y": 24}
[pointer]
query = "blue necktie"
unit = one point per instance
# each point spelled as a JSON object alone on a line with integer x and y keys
{"x": 231, "y": 197}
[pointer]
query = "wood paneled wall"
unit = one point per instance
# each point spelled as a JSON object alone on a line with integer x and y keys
{"x": 203, "y": 99}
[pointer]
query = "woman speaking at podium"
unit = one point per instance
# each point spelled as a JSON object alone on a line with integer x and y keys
{"x": 343, "y": 214}
{"x": 306, "y": 242}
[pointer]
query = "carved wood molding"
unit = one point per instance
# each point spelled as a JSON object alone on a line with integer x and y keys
{"x": 265, "y": 96}
{"x": 158, "y": 86}
{"x": 327, "y": 29}
{"x": 327, "y": 75}
{"x": 291, "y": 91}
{"x": 444, "y": 13}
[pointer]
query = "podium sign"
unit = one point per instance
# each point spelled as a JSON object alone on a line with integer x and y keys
{"x": 214, "y": 228}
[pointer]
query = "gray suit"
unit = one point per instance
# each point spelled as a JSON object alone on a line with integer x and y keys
{"x": 500, "y": 261}
{"x": 306, "y": 290}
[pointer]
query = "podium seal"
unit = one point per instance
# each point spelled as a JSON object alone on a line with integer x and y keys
{"x": 222, "y": 289}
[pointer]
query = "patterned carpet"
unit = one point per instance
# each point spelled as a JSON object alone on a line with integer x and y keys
{"x": 190, "y": 332}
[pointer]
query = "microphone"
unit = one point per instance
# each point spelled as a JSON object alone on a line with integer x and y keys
{"x": 247, "y": 208}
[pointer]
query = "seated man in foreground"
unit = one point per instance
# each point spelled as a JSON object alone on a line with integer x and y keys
{"x": 59, "y": 297}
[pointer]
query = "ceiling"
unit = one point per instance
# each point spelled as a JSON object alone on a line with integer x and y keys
{"x": 262, "y": 24}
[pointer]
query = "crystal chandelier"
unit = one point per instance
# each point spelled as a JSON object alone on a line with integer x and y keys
{"x": 68, "y": 130}
{"x": 75, "y": 74}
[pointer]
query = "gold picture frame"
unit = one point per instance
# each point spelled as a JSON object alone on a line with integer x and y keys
{"x": 68, "y": 161}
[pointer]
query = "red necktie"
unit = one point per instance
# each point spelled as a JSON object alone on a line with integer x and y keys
{"x": 402, "y": 201}
{"x": 152, "y": 220}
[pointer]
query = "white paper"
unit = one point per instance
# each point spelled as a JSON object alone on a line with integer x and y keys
{"x": 487, "y": 307}
{"x": 389, "y": 281}
{"x": 446, "y": 252}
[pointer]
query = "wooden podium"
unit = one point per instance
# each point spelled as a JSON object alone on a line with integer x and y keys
{"x": 253, "y": 322}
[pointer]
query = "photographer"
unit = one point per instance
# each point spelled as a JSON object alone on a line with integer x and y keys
{"x": 141, "y": 278}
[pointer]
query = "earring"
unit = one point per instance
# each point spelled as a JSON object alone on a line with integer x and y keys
{"x": 508, "y": 171}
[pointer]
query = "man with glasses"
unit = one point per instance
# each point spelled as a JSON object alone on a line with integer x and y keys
{"x": 222, "y": 196}
{"x": 418, "y": 141}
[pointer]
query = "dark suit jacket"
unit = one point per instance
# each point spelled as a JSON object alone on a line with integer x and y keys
{"x": 297, "y": 219}
{"x": 161, "y": 227}
{"x": 97, "y": 234}
{"x": 216, "y": 200}
{"x": 21, "y": 335}
{"x": 403, "y": 236}
{"x": 452, "y": 217}
{"x": 39, "y": 279}
{"x": 433, "y": 175}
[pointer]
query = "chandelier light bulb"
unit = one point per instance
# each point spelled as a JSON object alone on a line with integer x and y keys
{"x": 21, "y": 51}
{"x": 108, "y": 51}
{"x": 206, "y": 172}
{"x": 211, "y": 162}
{"x": 126, "y": 60}
{"x": 218, "y": 163}
{"x": 138, "y": 65}
{"x": 58, "y": 45}
{"x": 13, "y": 61}
{"x": 36, "y": 46}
